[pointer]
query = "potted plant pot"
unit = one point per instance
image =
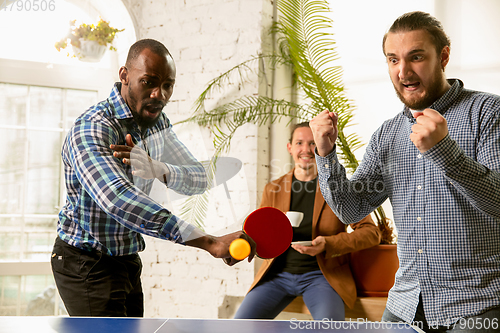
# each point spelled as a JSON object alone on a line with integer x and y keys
{"x": 374, "y": 270}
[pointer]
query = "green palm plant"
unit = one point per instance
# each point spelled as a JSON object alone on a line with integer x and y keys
{"x": 305, "y": 44}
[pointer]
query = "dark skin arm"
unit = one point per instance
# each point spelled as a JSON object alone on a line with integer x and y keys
{"x": 217, "y": 246}
{"x": 143, "y": 165}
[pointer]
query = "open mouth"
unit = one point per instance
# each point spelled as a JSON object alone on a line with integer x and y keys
{"x": 412, "y": 85}
{"x": 152, "y": 110}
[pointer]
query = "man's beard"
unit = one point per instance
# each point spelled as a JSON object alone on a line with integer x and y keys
{"x": 433, "y": 93}
{"x": 143, "y": 122}
{"x": 308, "y": 167}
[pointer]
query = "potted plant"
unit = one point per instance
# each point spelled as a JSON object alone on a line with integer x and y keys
{"x": 89, "y": 41}
{"x": 306, "y": 45}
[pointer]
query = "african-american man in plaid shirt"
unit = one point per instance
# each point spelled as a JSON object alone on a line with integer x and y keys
{"x": 111, "y": 156}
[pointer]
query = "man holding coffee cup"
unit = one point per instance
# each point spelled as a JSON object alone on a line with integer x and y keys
{"x": 316, "y": 265}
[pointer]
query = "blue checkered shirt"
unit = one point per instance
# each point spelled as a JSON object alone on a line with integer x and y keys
{"x": 105, "y": 209}
{"x": 446, "y": 205}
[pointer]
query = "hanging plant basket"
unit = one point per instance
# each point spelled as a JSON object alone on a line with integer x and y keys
{"x": 89, "y": 41}
{"x": 89, "y": 50}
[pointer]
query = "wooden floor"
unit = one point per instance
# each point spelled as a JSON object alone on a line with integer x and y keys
{"x": 365, "y": 308}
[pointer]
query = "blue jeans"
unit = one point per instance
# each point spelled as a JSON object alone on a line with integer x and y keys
{"x": 484, "y": 323}
{"x": 271, "y": 296}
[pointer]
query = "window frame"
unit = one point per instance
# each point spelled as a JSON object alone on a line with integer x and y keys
{"x": 55, "y": 76}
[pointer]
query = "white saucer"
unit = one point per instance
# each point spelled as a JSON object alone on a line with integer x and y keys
{"x": 303, "y": 243}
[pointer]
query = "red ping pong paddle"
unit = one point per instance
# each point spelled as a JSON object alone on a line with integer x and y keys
{"x": 271, "y": 230}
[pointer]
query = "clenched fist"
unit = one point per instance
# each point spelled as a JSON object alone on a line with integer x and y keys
{"x": 325, "y": 131}
{"x": 430, "y": 128}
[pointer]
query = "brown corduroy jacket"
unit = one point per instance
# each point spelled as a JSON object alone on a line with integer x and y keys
{"x": 334, "y": 261}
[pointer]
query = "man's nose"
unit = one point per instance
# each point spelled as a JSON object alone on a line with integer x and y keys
{"x": 158, "y": 94}
{"x": 405, "y": 70}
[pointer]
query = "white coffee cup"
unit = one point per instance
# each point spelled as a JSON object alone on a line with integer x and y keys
{"x": 295, "y": 218}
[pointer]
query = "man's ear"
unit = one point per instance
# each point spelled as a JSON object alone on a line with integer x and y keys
{"x": 445, "y": 57}
{"x": 123, "y": 74}
{"x": 289, "y": 147}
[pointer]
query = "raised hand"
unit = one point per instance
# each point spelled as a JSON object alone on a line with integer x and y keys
{"x": 325, "y": 131}
{"x": 430, "y": 128}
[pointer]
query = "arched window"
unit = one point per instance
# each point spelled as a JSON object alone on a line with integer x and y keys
{"x": 42, "y": 91}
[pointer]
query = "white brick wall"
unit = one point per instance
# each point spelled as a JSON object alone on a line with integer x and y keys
{"x": 205, "y": 39}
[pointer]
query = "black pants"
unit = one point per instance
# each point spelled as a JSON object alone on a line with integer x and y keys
{"x": 486, "y": 322}
{"x": 96, "y": 284}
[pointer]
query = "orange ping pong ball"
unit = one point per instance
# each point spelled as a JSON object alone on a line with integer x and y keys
{"x": 239, "y": 249}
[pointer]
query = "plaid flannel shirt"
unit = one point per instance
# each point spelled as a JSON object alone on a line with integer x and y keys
{"x": 105, "y": 210}
{"x": 446, "y": 205}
